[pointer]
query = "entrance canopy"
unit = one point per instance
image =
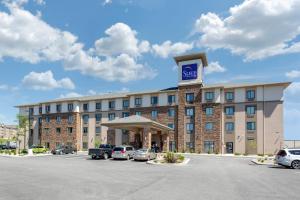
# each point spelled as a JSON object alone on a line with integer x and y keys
{"x": 134, "y": 122}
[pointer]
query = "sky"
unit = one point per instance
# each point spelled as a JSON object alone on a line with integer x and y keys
{"x": 64, "y": 48}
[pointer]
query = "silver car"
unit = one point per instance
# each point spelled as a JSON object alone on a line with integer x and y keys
{"x": 144, "y": 154}
{"x": 123, "y": 152}
{"x": 288, "y": 158}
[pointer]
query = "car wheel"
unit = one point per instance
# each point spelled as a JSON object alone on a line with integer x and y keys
{"x": 105, "y": 156}
{"x": 149, "y": 158}
{"x": 128, "y": 157}
{"x": 296, "y": 164}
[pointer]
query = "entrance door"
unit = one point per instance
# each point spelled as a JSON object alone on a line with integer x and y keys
{"x": 229, "y": 147}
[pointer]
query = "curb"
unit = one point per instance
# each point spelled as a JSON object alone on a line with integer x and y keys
{"x": 260, "y": 163}
{"x": 24, "y": 156}
{"x": 185, "y": 162}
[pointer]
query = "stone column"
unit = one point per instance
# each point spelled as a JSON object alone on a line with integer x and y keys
{"x": 166, "y": 141}
{"x": 146, "y": 137}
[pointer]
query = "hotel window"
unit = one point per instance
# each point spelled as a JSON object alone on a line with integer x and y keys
{"x": 84, "y": 145}
{"x": 189, "y": 127}
{"x": 47, "y": 119}
{"x": 111, "y": 116}
{"x": 70, "y": 119}
{"x": 47, "y": 145}
{"x": 111, "y": 104}
{"x": 189, "y": 97}
{"x": 138, "y": 101}
{"x": 190, "y": 145}
{"x": 250, "y": 95}
{"x": 209, "y": 96}
{"x": 46, "y": 130}
{"x": 229, "y": 110}
{"x": 98, "y": 130}
{"x": 85, "y": 130}
{"x": 139, "y": 113}
{"x": 40, "y": 120}
{"x": 58, "y": 119}
{"x": 154, "y": 100}
{"x": 70, "y": 130}
{"x": 171, "y": 125}
{"x": 171, "y": 112}
{"x": 85, "y": 119}
{"x": 58, "y": 108}
{"x": 189, "y": 112}
{"x": 30, "y": 111}
{"x": 98, "y": 117}
{"x": 154, "y": 114}
{"x": 209, "y": 111}
{"x": 250, "y": 110}
{"x": 58, "y": 130}
{"x": 229, "y": 126}
{"x": 209, "y": 146}
{"x": 251, "y": 126}
{"x": 40, "y": 109}
{"x": 48, "y": 108}
{"x": 229, "y": 96}
{"x": 125, "y": 114}
{"x": 85, "y": 107}
{"x": 70, "y": 107}
{"x": 209, "y": 126}
{"x": 171, "y": 99}
{"x": 98, "y": 106}
{"x": 126, "y": 104}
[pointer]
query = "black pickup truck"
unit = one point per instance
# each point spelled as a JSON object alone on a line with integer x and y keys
{"x": 104, "y": 151}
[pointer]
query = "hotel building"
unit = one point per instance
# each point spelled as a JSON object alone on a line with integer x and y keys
{"x": 192, "y": 117}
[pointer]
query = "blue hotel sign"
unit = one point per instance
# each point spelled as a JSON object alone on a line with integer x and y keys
{"x": 189, "y": 71}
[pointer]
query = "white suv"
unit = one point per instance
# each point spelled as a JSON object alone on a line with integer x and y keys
{"x": 288, "y": 158}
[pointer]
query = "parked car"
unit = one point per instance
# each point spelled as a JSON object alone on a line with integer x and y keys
{"x": 123, "y": 152}
{"x": 144, "y": 154}
{"x": 62, "y": 150}
{"x": 104, "y": 151}
{"x": 288, "y": 158}
{"x": 3, "y": 146}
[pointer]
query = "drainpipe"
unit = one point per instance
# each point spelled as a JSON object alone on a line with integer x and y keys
{"x": 263, "y": 120}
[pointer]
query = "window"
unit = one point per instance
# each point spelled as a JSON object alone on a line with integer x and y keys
{"x": 98, "y": 130}
{"x": 189, "y": 112}
{"x": 125, "y": 114}
{"x": 209, "y": 111}
{"x": 46, "y": 130}
{"x": 251, "y": 126}
{"x": 40, "y": 120}
{"x": 229, "y": 126}
{"x": 154, "y": 114}
{"x": 154, "y": 100}
{"x": 48, "y": 108}
{"x": 47, "y": 119}
{"x": 57, "y": 145}
{"x": 189, "y": 127}
{"x": 84, "y": 145}
{"x": 229, "y": 96}
{"x": 171, "y": 112}
{"x": 250, "y": 110}
{"x": 70, "y": 107}
{"x": 85, "y": 107}
{"x": 40, "y": 109}
{"x": 294, "y": 152}
{"x": 209, "y": 126}
{"x": 139, "y": 113}
{"x": 47, "y": 145}
{"x": 209, "y": 96}
{"x": 111, "y": 116}
{"x": 189, "y": 97}
{"x": 171, "y": 125}
{"x": 85, "y": 119}
{"x": 85, "y": 130}
{"x": 58, "y": 119}
{"x": 171, "y": 99}
{"x": 229, "y": 110}
{"x": 70, "y": 119}
{"x": 111, "y": 104}
{"x": 70, "y": 130}
{"x": 58, "y": 130}
{"x": 98, "y": 105}
{"x": 58, "y": 108}
{"x": 209, "y": 146}
{"x": 98, "y": 117}
{"x": 125, "y": 103}
{"x": 30, "y": 111}
{"x": 250, "y": 94}
{"x": 190, "y": 145}
{"x": 138, "y": 101}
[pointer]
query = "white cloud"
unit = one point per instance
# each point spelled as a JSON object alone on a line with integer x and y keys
{"x": 46, "y": 81}
{"x": 167, "y": 49}
{"x": 294, "y": 88}
{"x": 5, "y": 87}
{"x": 40, "y": 2}
{"x": 214, "y": 67}
{"x": 105, "y": 2}
{"x": 293, "y": 74}
{"x": 255, "y": 29}
{"x": 121, "y": 39}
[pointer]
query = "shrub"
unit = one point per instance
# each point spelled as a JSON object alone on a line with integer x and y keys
{"x": 260, "y": 154}
{"x": 171, "y": 157}
{"x": 209, "y": 152}
{"x": 237, "y": 154}
{"x": 24, "y": 151}
{"x": 39, "y": 150}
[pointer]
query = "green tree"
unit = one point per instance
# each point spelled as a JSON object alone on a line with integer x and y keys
{"x": 23, "y": 126}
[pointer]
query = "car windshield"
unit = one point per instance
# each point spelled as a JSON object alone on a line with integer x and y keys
{"x": 118, "y": 148}
{"x": 295, "y": 152}
{"x": 104, "y": 146}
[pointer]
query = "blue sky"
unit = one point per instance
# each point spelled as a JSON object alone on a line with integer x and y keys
{"x": 62, "y": 48}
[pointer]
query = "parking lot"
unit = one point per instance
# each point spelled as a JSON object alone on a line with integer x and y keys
{"x": 205, "y": 177}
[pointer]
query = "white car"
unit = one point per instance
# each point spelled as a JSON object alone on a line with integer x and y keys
{"x": 288, "y": 158}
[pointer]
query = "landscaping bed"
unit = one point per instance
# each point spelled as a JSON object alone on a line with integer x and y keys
{"x": 169, "y": 158}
